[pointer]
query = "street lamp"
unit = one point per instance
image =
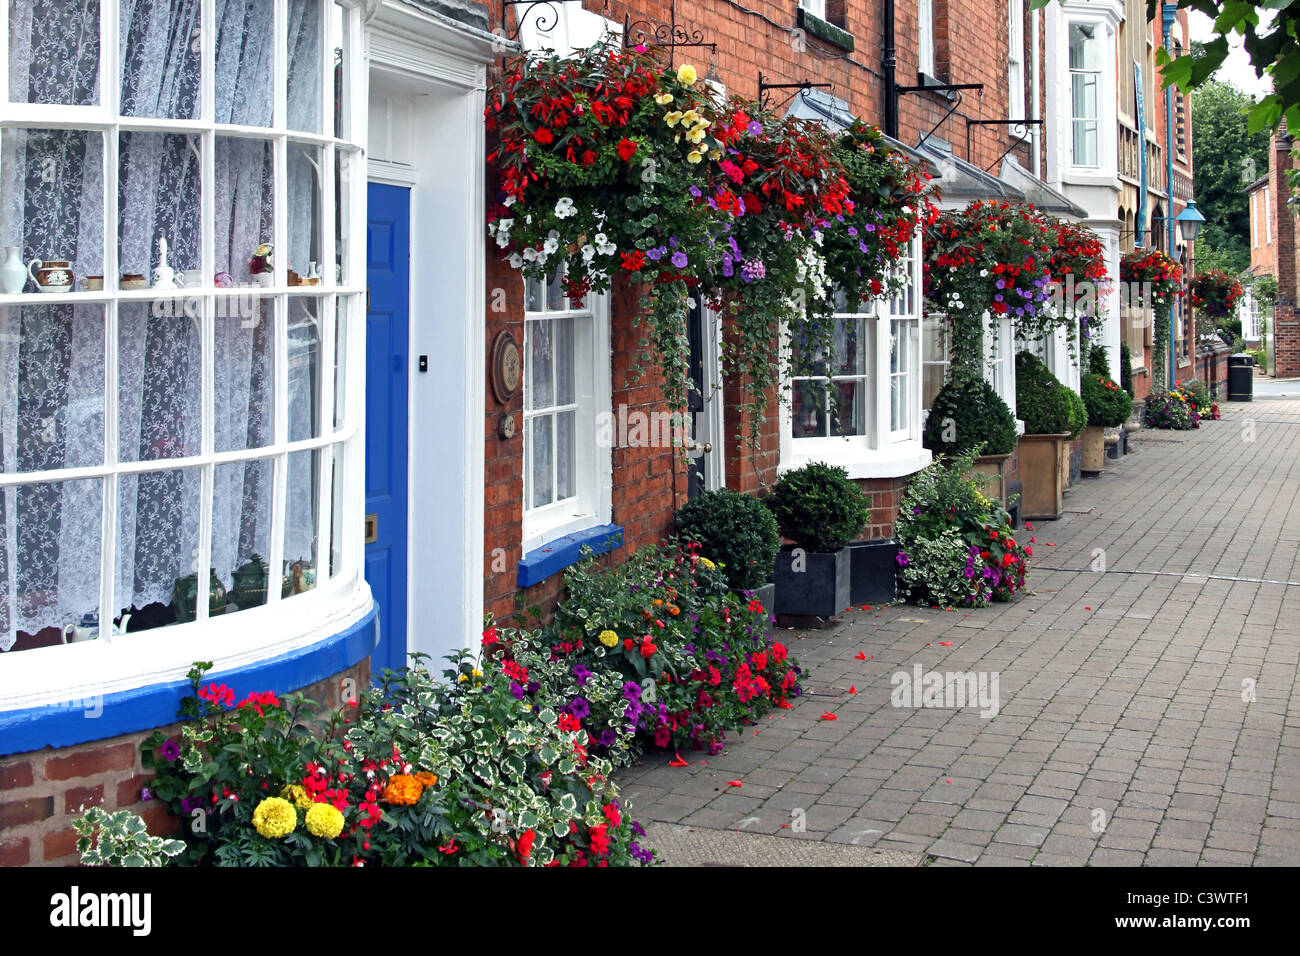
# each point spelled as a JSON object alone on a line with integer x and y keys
{"x": 1189, "y": 221}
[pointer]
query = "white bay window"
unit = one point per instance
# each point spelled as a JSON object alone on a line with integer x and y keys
{"x": 175, "y": 444}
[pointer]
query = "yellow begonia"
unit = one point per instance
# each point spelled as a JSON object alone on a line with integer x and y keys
{"x": 686, "y": 75}
{"x": 694, "y": 156}
{"x": 673, "y": 118}
{"x": 690, "y": 118}
{"x": 663, "y": 99}
{"x": 608, "y": 638}
{"x": 324, "y": 820}
{"x": 275, "y": 818}
{"x": 695, "y": 136}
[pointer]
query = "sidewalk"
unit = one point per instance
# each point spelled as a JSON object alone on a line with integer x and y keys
{"x": 1122, "y": 736}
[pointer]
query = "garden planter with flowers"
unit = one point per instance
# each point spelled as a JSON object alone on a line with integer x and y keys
{"x": 1108, "y": 407}
{"x": 1043, "y": 451}
{"x": 968, "y": 414}
{"x": 1151, "y": 281}
{"x": 821, "y": 510}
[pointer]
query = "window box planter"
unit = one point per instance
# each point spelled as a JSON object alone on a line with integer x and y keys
{"x": 813, "y": 583}
{"x": 1042, "y": 461}
{"x": 1094, "y": 449}
{"x": 873, "y": 567}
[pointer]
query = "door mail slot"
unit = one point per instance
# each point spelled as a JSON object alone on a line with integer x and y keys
{"x": 372, "y": 528}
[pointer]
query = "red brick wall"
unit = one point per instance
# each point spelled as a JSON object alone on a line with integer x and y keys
{"x": 42, "y": 791}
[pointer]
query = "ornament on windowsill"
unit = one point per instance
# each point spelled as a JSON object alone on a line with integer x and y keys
{"x": 262, "y": 265}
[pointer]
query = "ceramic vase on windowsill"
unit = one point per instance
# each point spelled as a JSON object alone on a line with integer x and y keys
{"x": 13, "y": 273}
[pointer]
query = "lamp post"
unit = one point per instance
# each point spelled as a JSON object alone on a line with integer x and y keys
{"x": 1168, "y": 13}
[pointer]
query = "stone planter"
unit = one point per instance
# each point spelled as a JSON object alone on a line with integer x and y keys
{"x": 1094, "y": 449}
{"x": 873, "y": 571}
{"x": 1065, "y": 465}
{"x": 812, "y": 583}
{"x": 995, "y": 466}
{"x": 1041, "y": 466}
{"x": 1115, "y": 443}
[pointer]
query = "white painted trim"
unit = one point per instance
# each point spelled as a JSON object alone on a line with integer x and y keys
{"x": 715, "y": 413}
{"x": 390, "y": 173}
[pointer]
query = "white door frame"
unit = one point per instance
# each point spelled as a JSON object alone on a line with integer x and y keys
{"x": 446, "y": 61}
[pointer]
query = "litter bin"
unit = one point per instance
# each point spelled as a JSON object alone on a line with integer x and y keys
{"x": 1241, "y": 377}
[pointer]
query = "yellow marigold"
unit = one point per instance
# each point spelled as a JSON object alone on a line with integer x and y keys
{"x": 298, "y": 796}
{"x": 608, "y": 638}
{"x": 324, "y": 820}
{"x": 426, "y": 779}
{"x": 403, "y": 790}
{"x": 707, "y": 563}
{"x": 275, "y": 818}
{"x": 686, "y": 75}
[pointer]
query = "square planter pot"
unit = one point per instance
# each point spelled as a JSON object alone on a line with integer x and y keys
{"x": 873, "y": 571}
{"x": 811, "y": 583}
{"x": 1094, "y": 449}
{"x": 1041, "y": 466}
{"x": 1065, "y": 466}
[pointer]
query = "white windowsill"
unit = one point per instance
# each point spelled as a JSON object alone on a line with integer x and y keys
{"x": 894, "y": 461}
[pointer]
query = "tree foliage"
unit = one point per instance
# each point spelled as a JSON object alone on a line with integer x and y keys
{"x": 1227, "y": 158}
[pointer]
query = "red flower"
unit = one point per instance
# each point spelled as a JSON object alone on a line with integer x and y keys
{"x": 544, "y": 136}
{"x": 633, "y": 261}
{"x": 524, "y": 847}
{"x": 648, "y": 649}
{"x": 599, "y": 840}
{"x": 626, "y": 149}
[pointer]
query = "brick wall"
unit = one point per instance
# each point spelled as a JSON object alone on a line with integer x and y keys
{"x": 1286, "y": 322}
{"x": 42, "y": 791}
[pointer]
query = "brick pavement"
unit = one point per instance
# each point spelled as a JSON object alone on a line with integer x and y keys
{"x": 1122, "y": 736}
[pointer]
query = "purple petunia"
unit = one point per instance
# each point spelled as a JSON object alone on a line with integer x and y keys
{"x": 679, "y": 259}
{"x": 754, "y": 127}
{"x": 632, "y": 690}
{"x": 579, "y": 707}
{"x": 581, "y": 674}
{"x": 517, "y": 689}
{"x": 169, "y": 750}
{"x": 902, "y": 559}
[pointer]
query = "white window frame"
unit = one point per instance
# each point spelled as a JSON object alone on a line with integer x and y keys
{"x": 1016, "y": 64}
{"x": 1099, "y": 75}
{"x": 1268, "y": 224}
{"x": 816, "y": 7}
{"x": 595, "y": 429}
{"x": 925, "y": 37}
{"x": 884, "y": 451}
{"x": 115, "y": 662}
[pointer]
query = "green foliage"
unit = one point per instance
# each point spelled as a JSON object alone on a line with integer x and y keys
{"x": 967, "y": 413}
{"x": 1126, "y": 368}
{"x": 735, "y": 530}
{"x": 818, "y": 507}
{"x": 1226, "y": 158}
{"x": 120, "y": 839}
{"x": 1170, "y": 410}
{"x": 1042, "y": 401}
{"x": 1108, "y": 405}
{"x": 1078, "y": 417}
{"x": 1098, "y": 363}
{"x": 1261, "y": 357}
{"x": 956, "y": 546}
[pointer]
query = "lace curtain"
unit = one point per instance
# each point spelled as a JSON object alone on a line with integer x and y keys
{"x": 52, "y": 357}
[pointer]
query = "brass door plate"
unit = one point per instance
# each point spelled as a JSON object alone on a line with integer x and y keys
{"x": 372, "y": 528}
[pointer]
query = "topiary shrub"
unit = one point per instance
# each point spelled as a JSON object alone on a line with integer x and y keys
{"x": 1108, "y": 405}
{"x": 970, "y": 413}
{"x": 1126, "y": 369}
{"x": 818, "y": 507}
{"x": 736, "y": 531}
{"x": 1078, "y": 413}
{"x": 1042, "y": 402}
{"x": 1098, "y": 364}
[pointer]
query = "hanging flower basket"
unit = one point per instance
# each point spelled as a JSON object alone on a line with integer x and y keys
{"x": 1215, "y": 293}
{"x": 1151, "y": 280}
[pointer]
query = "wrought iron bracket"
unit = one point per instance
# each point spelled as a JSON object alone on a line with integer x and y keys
{"x": 668, "y": 36}
{"x": 800, "y": 88}
{"x": 998, "y": 122}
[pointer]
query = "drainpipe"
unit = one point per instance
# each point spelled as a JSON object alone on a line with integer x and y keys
{"x": 1035, "y": 131}
{"x": 1168, "y": 13}
{"x": 890, "y": 63}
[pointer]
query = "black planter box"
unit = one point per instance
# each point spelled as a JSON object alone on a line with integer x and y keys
{"x": 819, "y": 587}
{"x": 1013, "y": 495}
{"x": 873, "y": 571}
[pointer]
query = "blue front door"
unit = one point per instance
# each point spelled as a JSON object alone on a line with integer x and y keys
{"x": 388, "y": 272}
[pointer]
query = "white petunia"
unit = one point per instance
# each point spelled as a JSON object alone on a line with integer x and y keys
{"x": 564, "y": 208}
{"x": 588, "y": 252}
{"x": 516, "y": 260}
{"x": 604, "y": 246}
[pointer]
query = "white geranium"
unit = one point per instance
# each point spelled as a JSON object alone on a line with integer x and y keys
{"x": 564, "y": 208}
